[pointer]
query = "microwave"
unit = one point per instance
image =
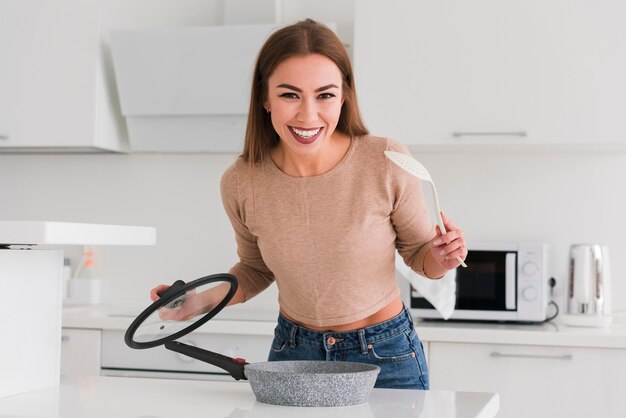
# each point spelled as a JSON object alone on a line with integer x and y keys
{"x": 502, "y": 282}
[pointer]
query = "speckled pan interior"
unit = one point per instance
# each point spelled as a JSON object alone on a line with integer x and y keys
{"x": 312, "y": 383}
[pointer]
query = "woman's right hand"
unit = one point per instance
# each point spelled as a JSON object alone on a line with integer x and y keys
{"x": 191, "y": 304}
{"x": 187, "y": 307}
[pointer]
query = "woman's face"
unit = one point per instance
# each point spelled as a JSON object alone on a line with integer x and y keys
{"x": 305, "y": 98}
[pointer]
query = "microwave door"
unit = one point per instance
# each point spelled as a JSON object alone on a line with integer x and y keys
{"x": 486, "y": 284}
{"x": 511, "y": 286}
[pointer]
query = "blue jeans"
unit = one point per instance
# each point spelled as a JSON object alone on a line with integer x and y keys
{"x": 392, "y": 345}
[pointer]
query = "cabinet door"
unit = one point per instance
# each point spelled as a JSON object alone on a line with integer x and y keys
{"x": 80, "y": 352}
{"x": 118, "y": 356}
{"x": 492, "y": 72}
{"x": 535, "y": 381}
{"x": 49, "y": 73}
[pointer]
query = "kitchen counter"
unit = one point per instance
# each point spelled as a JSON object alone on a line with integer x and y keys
{"x": 72, "y": 233}
{"x": 234, "y": 321}
{"x": 105, "y": 397}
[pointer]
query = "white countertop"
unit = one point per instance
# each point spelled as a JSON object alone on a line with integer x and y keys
{"x": 233, "y": 321}
{"x": 106, "y": 397}
{"x": 72, "y": 233}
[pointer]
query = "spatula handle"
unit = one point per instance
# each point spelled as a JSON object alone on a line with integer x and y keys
{"x": 442, "y": 228}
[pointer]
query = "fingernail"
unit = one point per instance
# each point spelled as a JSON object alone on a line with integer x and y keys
{"x": 442, "y": 252}
{"x": 437, "y": 242}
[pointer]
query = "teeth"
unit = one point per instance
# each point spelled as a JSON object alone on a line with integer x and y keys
{"x": 306, "y": 134}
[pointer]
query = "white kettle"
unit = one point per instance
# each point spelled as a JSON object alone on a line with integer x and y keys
{"x": 589, "y": 294}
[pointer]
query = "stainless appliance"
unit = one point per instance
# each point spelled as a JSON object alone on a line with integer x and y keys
{"x": 588, "y": 296}
{"x": 502, "y": 282}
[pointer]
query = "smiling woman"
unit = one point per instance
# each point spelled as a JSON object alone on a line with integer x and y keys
{"x": 317, "y": 207}
{"x": 289, "y": 64}
{"x": 305, "y": 107}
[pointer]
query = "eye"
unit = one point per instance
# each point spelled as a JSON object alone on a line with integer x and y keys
{"x": 326, "y": 96}
{"x": 288, "y": 95}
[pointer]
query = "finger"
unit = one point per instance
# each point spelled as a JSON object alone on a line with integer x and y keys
{"x": 449, "y": 237}
{"x": 154, "y": 293}
{"x": 453, "y": 250}
{"x": 447, "y": 222}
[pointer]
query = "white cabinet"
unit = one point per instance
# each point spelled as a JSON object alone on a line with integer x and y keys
{"x": 120, "y": 360}
{"x": 54, "y": 91}
{"x": 535, "y": 381}
{"x": 30, "y": 319}
{"x": 186, "y": 89}
{"x": 80, "y": 351}
{"x": 454, "y": 73}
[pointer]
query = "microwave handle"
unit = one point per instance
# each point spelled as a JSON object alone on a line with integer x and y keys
{"x": 510, "y": 275}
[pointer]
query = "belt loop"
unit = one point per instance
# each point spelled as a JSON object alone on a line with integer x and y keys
{"x": 292, "y": 336}
{"x": 362, "y": 341}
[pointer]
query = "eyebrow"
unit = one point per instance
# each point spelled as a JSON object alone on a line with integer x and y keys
{"x": 299, "y": 90}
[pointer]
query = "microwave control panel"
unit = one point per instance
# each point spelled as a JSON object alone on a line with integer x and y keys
{"x": 533, "y": 290}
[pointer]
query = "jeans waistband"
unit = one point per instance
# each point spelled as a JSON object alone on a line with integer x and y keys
{"x": 331, "y": 340}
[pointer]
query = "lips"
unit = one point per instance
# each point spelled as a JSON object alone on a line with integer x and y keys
{"x": 305, "y": 136}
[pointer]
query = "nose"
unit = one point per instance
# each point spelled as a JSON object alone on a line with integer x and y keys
{"x": 307, "y": 111}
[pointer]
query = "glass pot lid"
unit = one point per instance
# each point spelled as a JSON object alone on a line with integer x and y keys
{"x": 182, "y": 308}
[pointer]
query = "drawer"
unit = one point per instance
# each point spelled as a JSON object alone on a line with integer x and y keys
{"x": 80, "y": 351}
{"x": 534, "y": 380}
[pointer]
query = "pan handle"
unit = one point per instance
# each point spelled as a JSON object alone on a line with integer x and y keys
{"x": 234, "y": 367}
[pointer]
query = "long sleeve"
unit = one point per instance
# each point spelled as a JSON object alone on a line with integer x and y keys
{"x": 410, "y": 218}
{"x": 251, "y": 272}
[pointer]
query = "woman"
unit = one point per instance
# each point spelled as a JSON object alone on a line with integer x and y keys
{"x": 316, "y": 207}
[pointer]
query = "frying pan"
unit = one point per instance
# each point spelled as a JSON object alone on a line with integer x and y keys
{"x": 184, "y": 307}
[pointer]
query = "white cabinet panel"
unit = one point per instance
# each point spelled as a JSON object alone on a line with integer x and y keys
{"x": 80, "y": 352}
{"x": 116, "y": 355}
{"x": 490, "y": 72}
{"x": 535, "y": 380}
{"x": 53, "y": 88}
{"x": 30, "y": 319}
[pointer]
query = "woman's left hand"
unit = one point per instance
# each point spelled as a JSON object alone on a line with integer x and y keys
{"x": 447, "y": 247}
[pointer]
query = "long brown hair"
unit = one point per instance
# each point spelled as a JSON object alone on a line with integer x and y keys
{"x": 302, "y": 38}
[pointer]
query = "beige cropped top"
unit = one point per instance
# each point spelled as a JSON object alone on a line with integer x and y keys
{"x": 328, "y": 241}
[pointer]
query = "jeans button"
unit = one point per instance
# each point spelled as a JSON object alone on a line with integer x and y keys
{"x": 331, "y": 341}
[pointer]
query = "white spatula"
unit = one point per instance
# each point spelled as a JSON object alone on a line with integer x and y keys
{"x": 414, "y": 167}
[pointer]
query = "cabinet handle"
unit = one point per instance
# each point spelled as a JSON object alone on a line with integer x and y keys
{"x": 542, "y": 356}
{"x": 4, "y": 137}
{"x": 65, "y": 338}
{"x": 513, "y": 133}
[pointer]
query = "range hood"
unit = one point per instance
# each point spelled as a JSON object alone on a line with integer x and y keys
{"x": 186, "y": 89}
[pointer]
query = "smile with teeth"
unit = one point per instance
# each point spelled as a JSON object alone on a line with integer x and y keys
{"x": 308, "y": 133}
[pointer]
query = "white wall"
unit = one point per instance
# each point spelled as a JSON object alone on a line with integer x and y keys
{"x": 557, "y": 198}
{"x": 178, "y": 194}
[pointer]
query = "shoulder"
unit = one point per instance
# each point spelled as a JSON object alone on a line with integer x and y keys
{"x": 230, "y": 177}
{"x": 371, "y": 149}
{"x": 373, "y": 155}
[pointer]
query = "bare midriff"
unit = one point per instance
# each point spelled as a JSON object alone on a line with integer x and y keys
{"x": 388, "y": 312}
